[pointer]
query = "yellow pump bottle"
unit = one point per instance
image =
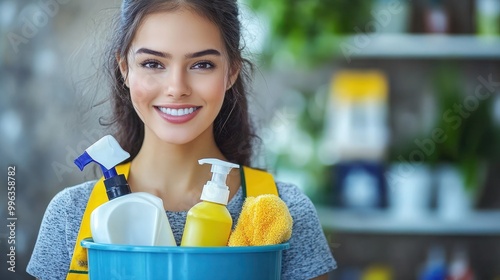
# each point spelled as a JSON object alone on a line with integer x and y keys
{"x": 209, "y": 223}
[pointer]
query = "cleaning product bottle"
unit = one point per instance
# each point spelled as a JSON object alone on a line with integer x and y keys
{"x": 127, "y": 218}
{"x": 209, "y": 223}
{"x": 459, "y": 267}
{"x": 435, "y": 265}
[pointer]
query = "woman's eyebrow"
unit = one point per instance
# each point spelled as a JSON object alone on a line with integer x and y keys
{"x": 152, "y": 52}
{"x": 189, "y": 55}
{"x": 203, "y": 53}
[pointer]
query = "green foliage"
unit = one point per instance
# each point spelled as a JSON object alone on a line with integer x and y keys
{"x": 467, "y": 123}
{"x": 466, "y": 120}
{"x": 306, "y": 30}
{"x": 469, "y": 135}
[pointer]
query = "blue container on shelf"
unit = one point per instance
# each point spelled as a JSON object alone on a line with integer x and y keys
{"x": 110, "y": 261}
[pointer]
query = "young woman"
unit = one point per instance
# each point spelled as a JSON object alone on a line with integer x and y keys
{"x": 179, "y": 95}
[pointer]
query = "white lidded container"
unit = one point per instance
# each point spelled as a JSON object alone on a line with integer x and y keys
{"x": 127, "y": 218}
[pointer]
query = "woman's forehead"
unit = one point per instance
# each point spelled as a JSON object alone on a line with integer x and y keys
{"x": 179, "y": 31}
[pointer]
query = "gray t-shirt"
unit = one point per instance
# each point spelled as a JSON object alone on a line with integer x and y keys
{"x": 309, "y": 254}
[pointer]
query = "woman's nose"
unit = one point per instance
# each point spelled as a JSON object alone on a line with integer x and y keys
{"x": 177, "y": 83}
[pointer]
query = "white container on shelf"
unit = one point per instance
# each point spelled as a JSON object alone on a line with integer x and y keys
{"x": 453, "y": 201}
{"x": 409, "y": 190}
{"x": 390, "y": 16}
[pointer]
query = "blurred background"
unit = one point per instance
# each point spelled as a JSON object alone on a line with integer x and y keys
{"x": 386, "y": 113}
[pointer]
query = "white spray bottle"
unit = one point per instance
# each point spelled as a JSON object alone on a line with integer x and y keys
{"x": 209, "y": 223}
{"x": 127, "y": 218}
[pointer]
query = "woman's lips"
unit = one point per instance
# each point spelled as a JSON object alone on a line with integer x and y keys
{"x": 178, "y": 114}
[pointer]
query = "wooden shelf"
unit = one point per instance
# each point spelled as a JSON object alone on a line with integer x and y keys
{"x": 420, "y": 46}
{"x": 382, "y": 222}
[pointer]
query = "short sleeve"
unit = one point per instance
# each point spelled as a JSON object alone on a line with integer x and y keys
{"x": 50, "y": 258}
{"x": 309, "y": 255}
{"x": 57, "y": 235}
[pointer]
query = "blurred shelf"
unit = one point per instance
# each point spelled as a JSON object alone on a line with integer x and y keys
{"x": 421, "y": 46}
{"x": 382, "y": 222}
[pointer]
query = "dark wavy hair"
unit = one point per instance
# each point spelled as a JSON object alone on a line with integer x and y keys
{"x": 233, "y": 132}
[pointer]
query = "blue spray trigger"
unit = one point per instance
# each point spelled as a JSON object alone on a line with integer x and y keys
{"x": 85, "y": 159}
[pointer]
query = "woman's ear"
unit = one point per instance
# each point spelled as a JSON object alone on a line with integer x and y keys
{"x": 233, "y": 75}
{"x": 122, "y": 64}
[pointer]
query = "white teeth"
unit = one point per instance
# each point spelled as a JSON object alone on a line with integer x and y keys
{"x": 177, "y": 112}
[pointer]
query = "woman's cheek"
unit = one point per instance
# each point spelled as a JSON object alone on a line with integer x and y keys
{"x": 212, "y": 89}
{"x": 141, "y": 98}
{"x": 143, "y": 87}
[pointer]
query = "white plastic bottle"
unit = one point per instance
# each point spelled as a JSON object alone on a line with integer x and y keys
{"x": 209, "y": 223}
{"x": 127, "y": 218}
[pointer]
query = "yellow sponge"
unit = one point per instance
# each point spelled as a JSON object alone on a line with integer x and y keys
{"x": 264, "y": 220}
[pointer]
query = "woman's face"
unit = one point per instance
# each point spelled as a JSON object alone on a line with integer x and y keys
{"x": 178, "y": 74}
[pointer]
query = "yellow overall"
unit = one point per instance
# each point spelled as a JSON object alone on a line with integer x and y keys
{"x": 254, "y": 182}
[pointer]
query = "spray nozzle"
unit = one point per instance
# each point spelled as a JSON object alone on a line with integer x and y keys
{"x": 216, "y": 189}
{"x": 107, "y": 153}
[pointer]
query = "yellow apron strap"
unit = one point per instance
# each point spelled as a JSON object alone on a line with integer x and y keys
{"x": 78, "y": 269}
{"x": 257, "y": 182}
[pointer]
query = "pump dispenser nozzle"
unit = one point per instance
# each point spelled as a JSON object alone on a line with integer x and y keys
{"x": 107, "y": 153}
{"x": 216, "y": 189}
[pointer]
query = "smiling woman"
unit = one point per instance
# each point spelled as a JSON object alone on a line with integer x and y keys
{"x": 178, "y": 70}
{"x": 221, "y": 35}
{"x": 178, "y": 93}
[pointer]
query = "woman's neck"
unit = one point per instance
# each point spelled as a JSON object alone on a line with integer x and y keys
{"x": 172, "y": 172}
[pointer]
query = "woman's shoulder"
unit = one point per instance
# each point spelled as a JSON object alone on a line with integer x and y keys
{"x": 299, "y": 204}
{"x": 74, "y": 197}
{"x": 290, "y": 191}
{"x": 77, "y": 192}
{"x": 82, "y": 188}
{"x": 294, "y": 197}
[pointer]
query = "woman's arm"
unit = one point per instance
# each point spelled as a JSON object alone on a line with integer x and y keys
{"x": 309, "y": 255}
{"x": 52, "y": 252}
{"x": 48, "y": 259}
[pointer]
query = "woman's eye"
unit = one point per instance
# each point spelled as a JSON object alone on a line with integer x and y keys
{"x": 203, "y": 65}
{"x": 152, "y": 64}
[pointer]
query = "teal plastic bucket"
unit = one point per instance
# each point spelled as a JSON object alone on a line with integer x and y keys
{"x": 123, "y": 262}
